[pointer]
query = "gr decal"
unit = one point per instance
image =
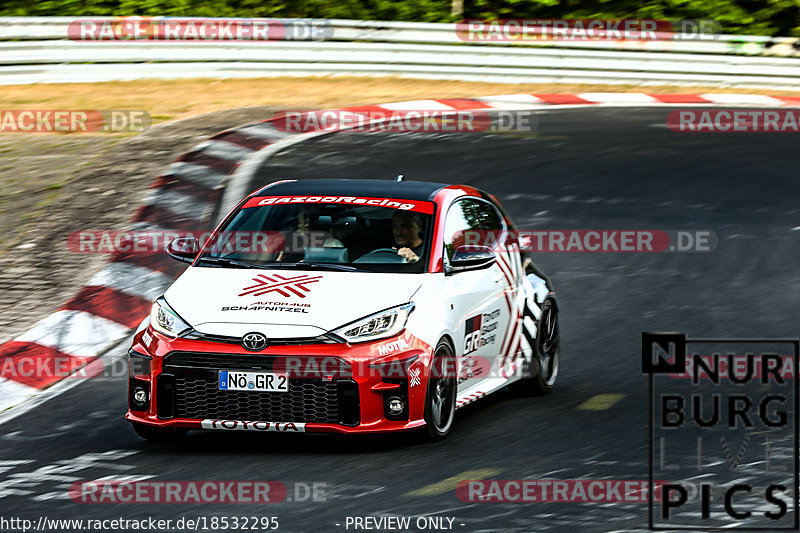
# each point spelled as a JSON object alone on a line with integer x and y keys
{"x": 472, "y": 334}
{"x": 480, "y": 331}
{"x": 241, "y": 425}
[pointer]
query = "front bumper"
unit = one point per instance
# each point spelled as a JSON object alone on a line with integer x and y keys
{"x": 340, "y": 388}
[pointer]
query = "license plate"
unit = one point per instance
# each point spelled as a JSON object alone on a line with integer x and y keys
{"x": 253, "y": 381}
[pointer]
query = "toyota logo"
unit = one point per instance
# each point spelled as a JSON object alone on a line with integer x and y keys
{"x": 254, "y": 342}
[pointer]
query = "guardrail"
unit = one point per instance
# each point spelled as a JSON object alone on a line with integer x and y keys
{"x": 37, "y": 50}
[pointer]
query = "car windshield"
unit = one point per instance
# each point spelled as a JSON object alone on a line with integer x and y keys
{"x": 347, "y": 233}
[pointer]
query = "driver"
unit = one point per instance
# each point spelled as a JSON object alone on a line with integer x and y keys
{"x": 406, "y": 229}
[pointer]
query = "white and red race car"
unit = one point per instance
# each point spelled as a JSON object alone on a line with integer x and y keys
{"x": 344, "y": 306}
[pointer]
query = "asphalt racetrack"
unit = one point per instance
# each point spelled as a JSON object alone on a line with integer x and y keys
{"x": 587, "y": 168}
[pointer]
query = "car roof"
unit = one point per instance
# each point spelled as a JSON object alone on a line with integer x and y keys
{"x": 408, "y": 190}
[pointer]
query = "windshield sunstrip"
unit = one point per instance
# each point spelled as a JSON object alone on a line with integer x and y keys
{"x": 394, "y": 203}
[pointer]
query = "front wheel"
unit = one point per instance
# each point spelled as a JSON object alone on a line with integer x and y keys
{"x": 440, "y": 401}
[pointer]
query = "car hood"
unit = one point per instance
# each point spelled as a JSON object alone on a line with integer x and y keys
{"x": 283, "y": 303}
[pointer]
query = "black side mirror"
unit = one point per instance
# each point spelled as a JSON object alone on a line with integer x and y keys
{"x": 471, "y": 258}
{"x": 183, "y": 249}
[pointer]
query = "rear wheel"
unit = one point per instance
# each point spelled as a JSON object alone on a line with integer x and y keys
{"x": 548, "y": 350}
{"x": 440, "y": 402}
{"x": 157, "y": 434}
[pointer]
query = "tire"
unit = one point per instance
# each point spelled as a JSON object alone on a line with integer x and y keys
{"x": 440, "y": 400}
{"x": 547, "y": 352}
{"x": 157, "y": 434}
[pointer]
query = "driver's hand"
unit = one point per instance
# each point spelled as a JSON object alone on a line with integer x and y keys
{"x": 409, "y": 254}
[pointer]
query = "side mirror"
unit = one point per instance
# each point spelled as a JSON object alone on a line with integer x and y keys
{"x": 471, "y": 258}
{"x": 183, "y": 249}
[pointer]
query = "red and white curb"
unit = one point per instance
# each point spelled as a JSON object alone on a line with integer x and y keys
{"x": 185, "y": 197}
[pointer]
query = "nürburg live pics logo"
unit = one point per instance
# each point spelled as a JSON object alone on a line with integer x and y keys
{"x": 723, "y": 432}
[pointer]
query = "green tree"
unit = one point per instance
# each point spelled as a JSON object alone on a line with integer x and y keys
{"x": 759, "y": 17}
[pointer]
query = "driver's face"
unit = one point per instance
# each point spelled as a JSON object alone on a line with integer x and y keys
{"x": 405, "y": 231}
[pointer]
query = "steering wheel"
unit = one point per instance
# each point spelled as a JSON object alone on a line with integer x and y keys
{"x": 381, "y": 255}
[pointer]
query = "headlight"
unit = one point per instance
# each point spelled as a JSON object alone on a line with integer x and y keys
{"x": 166, "y": 321}
{"x": 381, "y": 325}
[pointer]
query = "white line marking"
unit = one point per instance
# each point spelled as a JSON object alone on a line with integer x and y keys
{"x": 224, "y": 150}
{"x": 613, "y": 98}
{"x": 43, "y": 396}
{"x": 13, "y": 394}
{"x": 265, "y": 131}
{"x": 75, "y": 333}
{"x": 237, "y": 182}
{"x": 132, "y": 279}
{"x": 200, "y": 174}
{"x": 511, "y": 101}
{"x": 147, "y": 226}
{"x": 418, "y": 105}
{"x": 750, "y": 99}
{"x": 178, "y": 202}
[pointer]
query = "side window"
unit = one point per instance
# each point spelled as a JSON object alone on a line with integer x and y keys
{"x": 490, "y": 219}
{"x": 468, "y": 215}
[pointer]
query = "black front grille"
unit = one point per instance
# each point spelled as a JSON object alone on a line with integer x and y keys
{"x": 310, "y": 399}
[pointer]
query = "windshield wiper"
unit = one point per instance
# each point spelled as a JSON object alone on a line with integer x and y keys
{"x": 317, "y": 266}
{"x": 225, "y": 261}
